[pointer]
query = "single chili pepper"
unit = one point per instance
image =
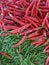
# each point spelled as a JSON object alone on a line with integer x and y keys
{"x": 43, "y": 7}
{"x": 11, "y": 1}
{"x": 2, "y": 9}
{"x": 26, "y": 32}
{"x": 48, "y": 33}
{"x": 15, "y": 19}
{"x": 47, "y": 51}
{"x": 47, "y": 23}
{"x": 22, "y": 6}
{"x": 20, "y": 29}
{"x": 38, "y": 42}
{"x": 47, "y": 3}
{"x": 44, "y": 10}
{"x": 20, "y": 42}
{"x": 46, "y": 61}
{"x": 17, "y": 10}
{"x": 44, "y": 20}
{"x": 14, "y": 12}
{"x": 33, "y": 34}
{"x": 38, "y": 3}
{"x": 8, "y": 22}
{"x": 26, "y": 14}
{"x": 46, "y": 48}
{"x": 41, "y": 42}
{"x": 34, "y": 19}
{"x": 27, "y": 3}
{"x": 29, "y": 31}
{"x": 10, "y": 27}
{"x": 2, "y": 23}
{"x": 32, "y": 22}
{"x": 5, "y": 54}
{"x": 12, "y": 5}
{"x": 33, "y": 9}
{"x": 34, "y": 38}
{"x": 44, "y": 33}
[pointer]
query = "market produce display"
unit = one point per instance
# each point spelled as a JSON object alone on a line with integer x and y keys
{"x": 28, "y": 18}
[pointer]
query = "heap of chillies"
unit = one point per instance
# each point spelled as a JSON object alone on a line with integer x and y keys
{"x": 28, "y": 18}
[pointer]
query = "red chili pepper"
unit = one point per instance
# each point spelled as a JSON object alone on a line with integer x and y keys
{"x": 38, "y": 3}
{"x": 20, "y": 29}
{"x": 46, "y": 61}
{"x": 15, "y": 19}
{"x": 39, "y": 42}
{"x": 44, "y": 10}
{"x": 47, "y": 23}
{"x": 48, "y": 33}
{"x": 47, "y": 3}
{"x": 44, "y": 33}
{"x": 5, "y": 34}
{"x": 30, "y": 31}
{"x": 27, "y": 3}
{"x": 33, "y": 9}
{"x": 10, "y": 27}
{"x": 43, "y": 7}
{"x": 26, "y": 32}
{"x": 5, "y": 54}
{"x": 8, "y": 22}
{"x": 33, "y": 34}
{"x": 2, "y": 10}
{"x": 34, "y": 19}
{"x": 26, "y": 14}
{"x": 45, "y": 49}
{"x": 45, "y": 19}
{"x": 34, "y": 38}
{"x": 20, "y": 42}
{"x": 32, "y": 22}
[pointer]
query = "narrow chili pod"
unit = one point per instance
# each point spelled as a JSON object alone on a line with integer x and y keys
{"x": 5, "y": 54}
{"x": 47, "y": 61}
{"x": 20, "y": 42}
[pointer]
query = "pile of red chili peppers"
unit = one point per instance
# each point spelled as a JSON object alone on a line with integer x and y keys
{"x": 29, "y": 18}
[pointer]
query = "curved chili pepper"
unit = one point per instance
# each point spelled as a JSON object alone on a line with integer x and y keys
{"x": 20, "y": 42}
{"x": 45, "y": 49}
{"x": 46, "y": 61}
{"x": 5, "y": 54}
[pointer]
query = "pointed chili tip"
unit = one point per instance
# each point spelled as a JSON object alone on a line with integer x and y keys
{"x": 12, "y": 46}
